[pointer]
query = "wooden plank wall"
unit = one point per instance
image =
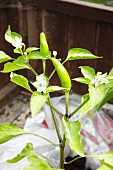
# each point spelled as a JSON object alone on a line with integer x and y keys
{"x": 67, "y": 24}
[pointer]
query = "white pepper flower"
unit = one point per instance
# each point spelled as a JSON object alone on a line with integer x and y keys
{"x": 99, "y": 79}
{"x": 18, "y": 42}
{"x": 40, "y": 84}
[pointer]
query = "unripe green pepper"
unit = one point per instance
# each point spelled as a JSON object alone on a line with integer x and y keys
{"x": 62, "y": 73}
{"x": 44, "y": 49}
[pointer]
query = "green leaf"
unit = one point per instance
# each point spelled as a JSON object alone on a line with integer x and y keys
{"x": 44, "y": 48}
{"x": 28, "y": 150}
{"x": 79, "y": 53}
{"x": 20, "y": 80}
{"x": 72, "y": 134}
{"x": 97, "y": 95}
{"x": 35, "y": 55}
{"x": 54, "y": 88}
{"x": 105, "y": 167}
{"x": 17, "y": 51}
{"x": 9, "y": 131}
{"x": 88, "y": 72}
{"x": 10, "y": 36}
{"x": 18, "y": 64}
{"x": 30, "y": 49}
{"x": 107, "y": 97}
{"x": 37, "y": 164}
{"x": 4, "y": 57}
{"x": 111, "y": 72}
{"x": 87, "y": 107}
{"x": 82, "y": 80}
{"x": 37, "y": 101}
{"x": 106, "y": 157}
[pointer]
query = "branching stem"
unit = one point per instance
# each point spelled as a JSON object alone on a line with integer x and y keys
{"x": 44, "y": 139}
{"x": 57, "y": 111}
{"x": 79, "y": 107}
{"x": 73, "y": 160}
{"x": 55, "y": 121}
{"x": 38, "y": 154}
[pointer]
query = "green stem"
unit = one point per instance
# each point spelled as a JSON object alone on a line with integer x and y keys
{"x": 59, "y": 113}
{"x": 62, "y": 153}
{"x": 64, "y": 61}
{"x": 38, "y": 154}
{"x": 67, "y": 101}
{"x": 47, "y": 140}
{"x": 55, "y": 121}
{"x": 79, "y": 107}
{"x": 64, "y": 139}
{"x": 44, "y": 66}
{"x": 53, "y": 72}
{"x": 73, "y": 160}
{"x": 35, "y": 73}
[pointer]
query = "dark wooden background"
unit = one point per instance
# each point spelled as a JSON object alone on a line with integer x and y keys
{"x": 67, "y": 24}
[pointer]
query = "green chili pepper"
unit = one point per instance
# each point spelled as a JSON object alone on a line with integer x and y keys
{"x": 44, "y": 49}
{"x": 62, "y": 73}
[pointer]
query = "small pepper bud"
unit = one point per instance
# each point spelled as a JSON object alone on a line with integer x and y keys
{"x": 55, "y": 53}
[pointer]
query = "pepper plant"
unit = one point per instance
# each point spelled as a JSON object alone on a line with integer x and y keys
{"x": 100, "y": 91}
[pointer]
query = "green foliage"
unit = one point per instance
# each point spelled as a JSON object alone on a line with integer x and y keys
{"x": 88, "y": 72}
{"x": 20, "y": 80}
{"x": 87, "y": 107}
{"x": 4, "y": 57}
{"x": 28, "y": 150}
{"x": 11, "y": 36}
{"x": 30, "y": 49}
{"x": 99, "y": 87}
{"x": 82, "y": 80}
{"x": 17, "y": 64}
{"x": 100, "y": 91}
{"x": 105, "y": 167}
{"x": 9, "y": 131}
{"x": 54, "y": 88}
{"x": 37, "y": 101}
{"x": 106, "y": 158}
{"x": 35, "y": 55}
{"x": 79, "y": 53}
{"x": 72, "y": 134}
{"x": 38, "y": 164}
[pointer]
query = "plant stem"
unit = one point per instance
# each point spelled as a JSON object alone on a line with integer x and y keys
{"x": 55, "y": 122}
{"x": 73, "y": 160}
{"x": 67, "y": 101}
{"x": 57, "y": 111}
{"x": 62, "y": 152}
{"x": 38, "y": 154}
{"x": 53, "y": 72}
{"x": 79, "y": 107}
{"x": 35, "y": 73}
{"x": 44, "y": 66}
{"x": 44, "y": 139}
{"x": 64, "y": 139}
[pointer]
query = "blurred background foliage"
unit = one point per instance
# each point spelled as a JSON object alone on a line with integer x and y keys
{"x": 105, "y": 2}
